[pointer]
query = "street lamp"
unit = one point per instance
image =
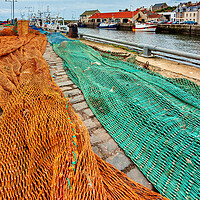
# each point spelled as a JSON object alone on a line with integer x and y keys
{"x": 12, "y": 9}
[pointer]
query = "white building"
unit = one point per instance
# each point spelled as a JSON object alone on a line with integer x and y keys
{"x": 85, "y": 17}
{"x": 192, "y": 14}
{"x": 170, "y": 16}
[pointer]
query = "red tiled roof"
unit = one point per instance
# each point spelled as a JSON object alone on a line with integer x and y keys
{"x": 154, "y": 16}
{"x": 128, "y": 14}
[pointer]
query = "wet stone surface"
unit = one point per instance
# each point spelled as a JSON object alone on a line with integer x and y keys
{"x": 102, "y": 143}
{"x": 119, "y": 160}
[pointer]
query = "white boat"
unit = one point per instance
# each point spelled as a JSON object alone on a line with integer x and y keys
{"x": 108, "y": 25}
{"x": 147, "y": 27}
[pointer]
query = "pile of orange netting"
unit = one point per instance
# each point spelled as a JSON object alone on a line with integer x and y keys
{"x": 45, "y": 150}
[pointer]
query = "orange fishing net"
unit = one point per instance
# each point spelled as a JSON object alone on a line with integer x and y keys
{"x": 7, "y": 32}
{"x": 45, "y": 150}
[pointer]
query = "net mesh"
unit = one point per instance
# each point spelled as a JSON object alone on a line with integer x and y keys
{"x": 45, "y": 150}
{"x": 154, "y": 119}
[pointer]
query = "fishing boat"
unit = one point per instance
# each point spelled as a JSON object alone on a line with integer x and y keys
{"x": 110, "y": 25}
{"x": 147, "y": 27}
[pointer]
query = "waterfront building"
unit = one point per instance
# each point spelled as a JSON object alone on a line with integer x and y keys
{"x": 170, "y": 16}
{"x": 159, "y": 6}
{"x": 187, "y": 11}
{"x": 118, "y": 17}
{"x": 156, "y": 17}
{"x": 180, "y": 12}
{"x": 85, "y": 17}
{"x": 192, "y": 14}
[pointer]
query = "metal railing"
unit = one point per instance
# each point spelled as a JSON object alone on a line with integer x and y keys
{"x": 148, "y": 50}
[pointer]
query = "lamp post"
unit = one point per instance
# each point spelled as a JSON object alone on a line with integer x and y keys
{"x": 12, "y": 9}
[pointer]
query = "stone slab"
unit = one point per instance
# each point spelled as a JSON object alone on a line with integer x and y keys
{"x": 76, "y": 99}
{"x": 88, "y": 112}
{"x": 65, "y": 83}
{"x": 60, "y": 73}
{"x": 80, "y": 106}
{"x": 73, "y": 92}
{"x": 100, "y": 135}
{"x": 138, "y": 177}
{"x": 119, "y": 161}
{"x": 97, "y": 151}
{"x": 109, "y": 146}
{"x": 89, "y": 124}
{"x": 66, "y": 88}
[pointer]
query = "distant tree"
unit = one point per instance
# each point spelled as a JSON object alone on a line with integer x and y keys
{"x": 168, "y": 9}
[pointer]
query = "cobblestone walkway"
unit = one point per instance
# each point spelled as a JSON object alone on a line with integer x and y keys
{"x": 102, "y": 143}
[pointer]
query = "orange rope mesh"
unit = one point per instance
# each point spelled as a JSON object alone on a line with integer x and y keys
{"x": 45, "y": 150}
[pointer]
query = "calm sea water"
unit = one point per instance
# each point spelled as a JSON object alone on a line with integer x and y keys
{"x": 184, "y": 43}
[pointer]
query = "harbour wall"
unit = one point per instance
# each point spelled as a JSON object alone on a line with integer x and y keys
{"x": 186, "y": 29}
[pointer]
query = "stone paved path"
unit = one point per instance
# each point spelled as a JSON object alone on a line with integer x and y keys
{"x": 102, "y": 143}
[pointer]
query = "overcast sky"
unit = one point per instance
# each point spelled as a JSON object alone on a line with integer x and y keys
{"x": 73, "y": 8}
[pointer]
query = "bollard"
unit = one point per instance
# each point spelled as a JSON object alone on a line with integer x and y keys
{"x": 146, "y": 52}
{"x": 73, "y": 30}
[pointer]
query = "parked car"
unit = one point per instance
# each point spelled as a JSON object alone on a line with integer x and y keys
{"x": 170, "y": 22}
{"x": 190, "y": 22}
{"x": 182, "y": 22}
{"x": 175, "y": 23}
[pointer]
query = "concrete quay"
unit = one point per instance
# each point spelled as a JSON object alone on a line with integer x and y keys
{"x": 102, "y": 143}
{"x": 185, "y": 29}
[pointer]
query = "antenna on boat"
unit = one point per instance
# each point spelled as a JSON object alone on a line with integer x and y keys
{"x": 29, "y": 10}
{"x": 22, "y": 14}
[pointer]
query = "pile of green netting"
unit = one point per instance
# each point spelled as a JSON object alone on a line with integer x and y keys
{"x": 154, "y": 119}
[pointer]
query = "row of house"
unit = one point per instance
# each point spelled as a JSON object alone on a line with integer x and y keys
{"x": 141, "y": 15}
{"x": 183, "y": 12}
{"x": 188, "y": 12}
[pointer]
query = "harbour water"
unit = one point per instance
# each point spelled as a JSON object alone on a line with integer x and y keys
{"x": 184, "y": 43}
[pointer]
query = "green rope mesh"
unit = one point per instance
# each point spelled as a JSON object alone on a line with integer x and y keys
{"x": 154, "y": 119}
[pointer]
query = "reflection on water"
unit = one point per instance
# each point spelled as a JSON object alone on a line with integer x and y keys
{"x": 185, "y": 43}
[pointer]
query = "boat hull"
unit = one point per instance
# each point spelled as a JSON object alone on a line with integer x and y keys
{"x": 108, "y": 26}
{"x": 144, "y": 27}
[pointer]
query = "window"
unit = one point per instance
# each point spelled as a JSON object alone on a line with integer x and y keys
{"x": 125, "y": 20}
{"x": 93, "y": 20}
{"x": 190, "y": 14}
{"x": 98, "y": 20}
{"x": 186, "y": 15}
{"x": 194, "y": 15}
